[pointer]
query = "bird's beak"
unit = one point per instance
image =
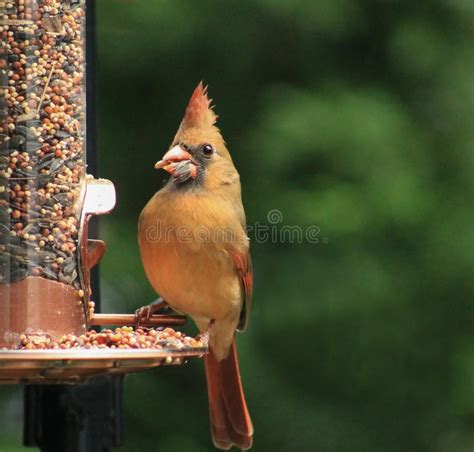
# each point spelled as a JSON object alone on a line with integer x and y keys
{"x": 179, "y": 163}
{"x": 175, "y": 154}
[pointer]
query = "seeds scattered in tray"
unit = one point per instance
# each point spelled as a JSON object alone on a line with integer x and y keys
{"x": 120, "y": 338}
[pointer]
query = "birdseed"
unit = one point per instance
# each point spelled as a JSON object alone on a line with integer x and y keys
{"x": 42, "y": 147}
{"x": 120, "y": 338}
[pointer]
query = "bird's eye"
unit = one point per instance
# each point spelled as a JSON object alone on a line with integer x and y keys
{"x": 207, "y": 150}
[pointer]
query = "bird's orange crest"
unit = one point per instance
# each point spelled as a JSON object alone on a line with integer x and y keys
{"x": 199, "y": 113}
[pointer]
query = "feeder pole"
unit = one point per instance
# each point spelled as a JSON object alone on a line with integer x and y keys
{"x": 84, "y": 417}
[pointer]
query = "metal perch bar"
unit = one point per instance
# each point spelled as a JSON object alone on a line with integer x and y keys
{"x": 129, "y": 319}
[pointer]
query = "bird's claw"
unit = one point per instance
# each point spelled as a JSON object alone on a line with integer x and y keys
{"x": 143, "y": 314}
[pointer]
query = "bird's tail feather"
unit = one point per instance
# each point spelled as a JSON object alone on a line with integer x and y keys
{"x": 230, "y": 419}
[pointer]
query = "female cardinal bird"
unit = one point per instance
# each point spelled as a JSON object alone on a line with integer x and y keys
{"x": 195, "y": 252}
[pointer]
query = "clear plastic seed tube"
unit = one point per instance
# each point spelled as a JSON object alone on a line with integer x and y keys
{"x": 42, "y": 138}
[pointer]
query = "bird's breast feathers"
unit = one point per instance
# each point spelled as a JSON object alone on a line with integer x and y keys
{"x": 186, "y": 243}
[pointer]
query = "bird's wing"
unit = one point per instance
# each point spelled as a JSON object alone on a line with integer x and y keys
{"x": 243, "y": 264}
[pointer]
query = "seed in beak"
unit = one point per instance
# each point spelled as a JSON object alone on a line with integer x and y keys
{"x": 175, "y": 154}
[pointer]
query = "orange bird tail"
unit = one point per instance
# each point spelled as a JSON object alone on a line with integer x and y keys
{"x": 230, "y": 419}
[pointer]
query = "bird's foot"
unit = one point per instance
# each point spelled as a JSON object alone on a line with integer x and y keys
{"x": 143, "y": 314}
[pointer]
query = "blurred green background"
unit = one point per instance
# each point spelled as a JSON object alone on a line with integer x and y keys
{"x": 355, "y": 117}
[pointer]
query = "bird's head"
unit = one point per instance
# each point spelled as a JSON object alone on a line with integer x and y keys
{"x": 198, "y": 155}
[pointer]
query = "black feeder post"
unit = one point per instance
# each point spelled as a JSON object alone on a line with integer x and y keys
{"x": 87, "y": 416}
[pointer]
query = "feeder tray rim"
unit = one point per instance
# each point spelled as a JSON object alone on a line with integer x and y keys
{"x": 98, "y": 354}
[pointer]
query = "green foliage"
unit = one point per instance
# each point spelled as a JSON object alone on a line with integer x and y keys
{"x": 355, "y": 117}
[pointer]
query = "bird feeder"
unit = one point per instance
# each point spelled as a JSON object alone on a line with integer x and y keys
{"x": 47, "y": 199}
